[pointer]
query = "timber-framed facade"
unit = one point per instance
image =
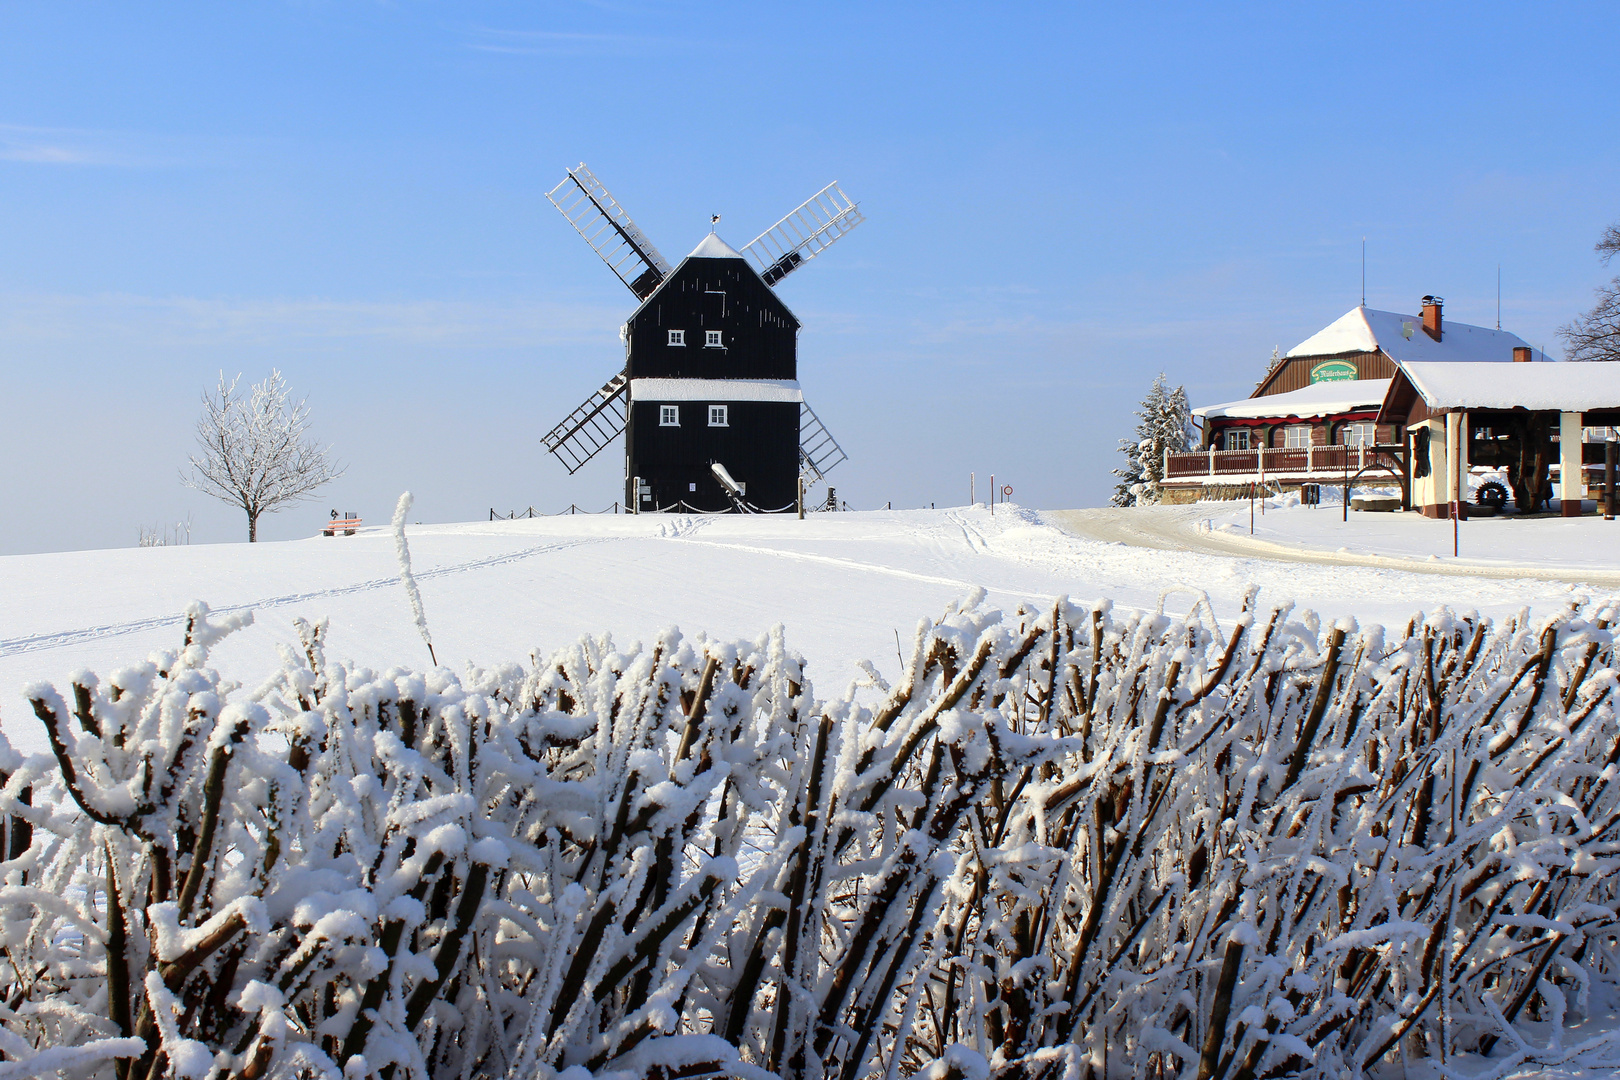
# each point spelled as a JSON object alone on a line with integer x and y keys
{"x": 1315, "y": 415}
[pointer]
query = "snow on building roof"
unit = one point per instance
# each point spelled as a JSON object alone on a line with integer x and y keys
{"x": 1561, "y": 386}
{"x": 1318, "y": 399}
{"x": 1402, "y": 338}
{"x": 714, "y": 248}
{"x": 715, "y": 390}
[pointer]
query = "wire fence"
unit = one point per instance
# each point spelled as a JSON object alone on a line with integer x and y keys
{"x": 531, "y": 512}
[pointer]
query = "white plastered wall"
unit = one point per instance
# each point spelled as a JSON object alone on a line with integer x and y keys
{"x": 1432, "y": 489}
{"x": 1571, "y": 481}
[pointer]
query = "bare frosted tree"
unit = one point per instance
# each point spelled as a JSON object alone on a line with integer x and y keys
{"x": 1596, "y": 334}
{"x": 254, "y": 453}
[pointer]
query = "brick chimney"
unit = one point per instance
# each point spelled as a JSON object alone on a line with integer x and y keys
{"x": 1521, "y": 354}
{"x": 1431, "y": 316}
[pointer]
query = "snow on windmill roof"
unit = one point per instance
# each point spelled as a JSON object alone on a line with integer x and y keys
{"x": 1402, "y": 337}
{"x": 1318, "y": 399}
{"x": 1562, "y": 386}
{"x": 714, "y": 248}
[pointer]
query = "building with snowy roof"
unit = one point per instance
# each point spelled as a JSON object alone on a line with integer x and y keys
{"x": 711, "y": 357}
{"x": 1315, "y": 414}
{"x": 1526, "y": 421}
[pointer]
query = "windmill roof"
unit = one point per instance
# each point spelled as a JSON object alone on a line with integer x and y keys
{"x": 714, "y": 248}
{"x": 1402, "y": 338}
{"x": 1318, "y": 399}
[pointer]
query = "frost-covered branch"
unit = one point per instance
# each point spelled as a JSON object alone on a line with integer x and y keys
{"x": 253, "y": 450}
{"x": 1066, "y": 835}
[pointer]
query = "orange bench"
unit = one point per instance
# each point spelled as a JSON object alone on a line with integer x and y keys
{"x": 345, "y": 525}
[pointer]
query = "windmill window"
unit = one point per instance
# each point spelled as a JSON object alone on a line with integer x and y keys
{"x": 713, "y": 340}
{"x": 669, "y": 416}
{"x": 717, "y": 416}
{"x": 677, "y": 337}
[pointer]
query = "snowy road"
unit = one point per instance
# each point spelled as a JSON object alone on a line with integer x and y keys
{"x": 1174, "y": 528}
{"x": 844, "y": 585}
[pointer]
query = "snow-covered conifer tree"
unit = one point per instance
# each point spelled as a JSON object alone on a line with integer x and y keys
{"x": 1164, "y": 424}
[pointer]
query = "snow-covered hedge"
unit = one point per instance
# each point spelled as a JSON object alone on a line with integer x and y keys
{"x": 1070, "y": 841}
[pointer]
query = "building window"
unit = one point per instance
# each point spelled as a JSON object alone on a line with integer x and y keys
{"x": 717, "y": 416}
{"x": 669, "y": 416}
{"x": 1358, "y": 434}
{"x": 713, "y": 340}
{"x": 1237, "y": 438}
{"x": 677, "y": 337}
{"x": 1296, "y": 436}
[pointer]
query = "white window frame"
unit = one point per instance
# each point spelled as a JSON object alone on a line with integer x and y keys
{"x": 1296, "y": 436}
{"x": 677, "y": 337}
{"x": 719, "y": 416}
{"x": 669, "y": 416}
{"x": 1365, "y": 432}
{"x": 1238, "y": 434}
{"x": 714, "y": 339}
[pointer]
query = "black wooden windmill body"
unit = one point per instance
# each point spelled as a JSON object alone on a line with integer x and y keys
{"x": 709, "y": 398}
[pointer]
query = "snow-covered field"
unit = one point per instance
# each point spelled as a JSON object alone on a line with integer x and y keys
{"x": 844, "y": 585}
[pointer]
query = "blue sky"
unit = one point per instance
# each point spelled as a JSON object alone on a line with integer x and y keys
{"x": 1061, "y": 201}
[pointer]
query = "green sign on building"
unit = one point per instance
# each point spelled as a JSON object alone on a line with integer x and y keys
{"x": 1333, "y": 371}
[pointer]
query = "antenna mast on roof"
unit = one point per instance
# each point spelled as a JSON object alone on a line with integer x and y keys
{"x": 1363, "y": 271}
{"x": 1499, "y": 296}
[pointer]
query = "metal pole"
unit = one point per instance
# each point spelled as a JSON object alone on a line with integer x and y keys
{"x": 1344, "y": 452}
{"x": 1611, "y": 451}
{"x": 992, "y": 494}
{"x": 1251, "y": 507}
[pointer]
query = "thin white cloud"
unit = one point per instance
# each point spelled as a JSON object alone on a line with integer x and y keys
{"x": 71, "y": 146}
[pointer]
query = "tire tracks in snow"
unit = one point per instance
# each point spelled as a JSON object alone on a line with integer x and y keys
{"x": 867, "y": 567}
{"x": 59, "y": 639}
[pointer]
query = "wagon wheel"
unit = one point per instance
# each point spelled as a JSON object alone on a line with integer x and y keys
{"x": 1491, "y": 493}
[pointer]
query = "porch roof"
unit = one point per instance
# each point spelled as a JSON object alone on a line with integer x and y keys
{"x": 1307, "y": 403}
{"x": 1554, "y": 386}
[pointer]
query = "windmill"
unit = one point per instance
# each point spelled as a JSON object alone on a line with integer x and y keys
{"x": 708, "y": 399}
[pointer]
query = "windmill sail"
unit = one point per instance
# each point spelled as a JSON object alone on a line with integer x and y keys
{"x": 598, "y": 421}
{"x": 605, "y": 226}
{"x": 819, "y": 452}
{"x": 803, "y": 234}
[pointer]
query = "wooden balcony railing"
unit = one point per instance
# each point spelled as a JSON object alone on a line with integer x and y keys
{"x": 1296, "y": 462}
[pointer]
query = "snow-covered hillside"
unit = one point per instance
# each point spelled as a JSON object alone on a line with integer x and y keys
{"x": 844, "y": 585}
{"x": 1221, "y": 784}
